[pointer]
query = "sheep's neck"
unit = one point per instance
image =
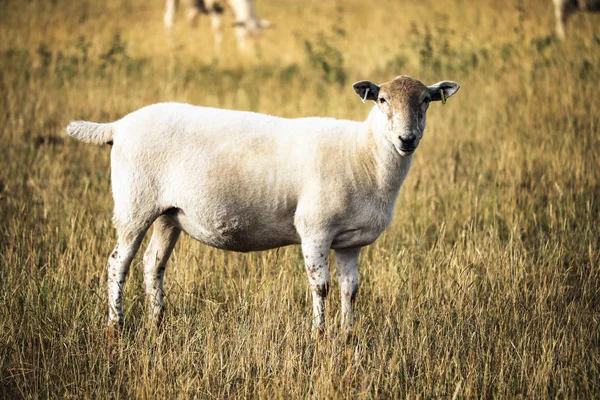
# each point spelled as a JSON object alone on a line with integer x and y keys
{"x": 391, "y": 168}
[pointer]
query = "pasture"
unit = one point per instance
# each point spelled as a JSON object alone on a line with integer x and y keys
{"x": 486, "y": 284}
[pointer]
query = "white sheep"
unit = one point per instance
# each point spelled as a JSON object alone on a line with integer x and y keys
{"x": 247, "y": 24}
{"x": 564, "y": 8}
{"x": 244, "y": 181}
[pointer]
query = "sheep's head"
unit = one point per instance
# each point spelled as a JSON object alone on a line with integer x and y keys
{"x": 401, "y": 107}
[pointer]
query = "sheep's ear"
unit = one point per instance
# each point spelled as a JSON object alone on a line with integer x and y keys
{"x": 447, "y": 87}
{"x": 366, "y": 90}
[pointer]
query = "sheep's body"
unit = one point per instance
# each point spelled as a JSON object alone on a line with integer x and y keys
{"x": 564, "y": 8}
{"x": 244, "y": 181}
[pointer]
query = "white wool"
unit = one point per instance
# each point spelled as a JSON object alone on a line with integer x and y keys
{"x": 244, "y": 181}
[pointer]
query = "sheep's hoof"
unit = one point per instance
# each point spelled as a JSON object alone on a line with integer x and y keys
{"x": 156, "y": 316}
{"x": 155, "y": 323}
{"x": 113, "y": 332}
{"x": 158, "y": 321}
{"x": 349, "y": 336}
{"x": 318, "y": 331}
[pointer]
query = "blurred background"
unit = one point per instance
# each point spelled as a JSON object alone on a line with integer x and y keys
{"x": 485, "y": 285}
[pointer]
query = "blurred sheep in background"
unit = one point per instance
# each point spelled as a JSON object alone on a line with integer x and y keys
{"x": 564, "y": 8}
{"x": 246, "y": 23}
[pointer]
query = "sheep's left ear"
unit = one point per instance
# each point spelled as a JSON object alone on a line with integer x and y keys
{"x": 448, "y": 87}
{"x": 366, "y": 90}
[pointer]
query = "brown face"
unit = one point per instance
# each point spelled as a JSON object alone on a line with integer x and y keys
{"x": 404, "y": 101}
{"x": 401, "y": 107}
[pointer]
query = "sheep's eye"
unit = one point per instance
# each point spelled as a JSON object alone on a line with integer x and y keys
{"x": 382, "y": 100}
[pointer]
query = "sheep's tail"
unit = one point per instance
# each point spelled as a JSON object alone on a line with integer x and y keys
{"x": 90, "y": 132}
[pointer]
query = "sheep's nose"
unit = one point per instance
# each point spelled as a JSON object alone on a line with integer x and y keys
{"x": 408, "y": 140}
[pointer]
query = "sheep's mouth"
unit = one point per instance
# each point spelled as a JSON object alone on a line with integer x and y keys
{"x": 406, "y": 151}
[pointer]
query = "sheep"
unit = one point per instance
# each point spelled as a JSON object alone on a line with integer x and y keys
{"x": 564, "y": 8}
{"x": 245, "y": 181}
{"x": 246, "y": 21}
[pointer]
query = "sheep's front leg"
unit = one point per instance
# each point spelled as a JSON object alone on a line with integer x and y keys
{"x": 316, "y": 256}
{"x": 347, "y": 271}
{"x": 562, "y": 10}
{"x": 241, "y": 33}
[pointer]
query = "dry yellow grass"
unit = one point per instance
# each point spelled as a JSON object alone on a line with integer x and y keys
{"x": 486, "y": 284}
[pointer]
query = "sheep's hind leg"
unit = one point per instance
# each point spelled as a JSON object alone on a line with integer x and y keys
{"x": 119, "y": 262}
{"x": 347, "y": 272}
{"x": 560, "y": 11}
{"x": 157, "y": 254}
{"x": 192, "y": 15}
{"x": 316, "y": 256}
{"x": 169, "y": 17}
{"x": 216, "y": 23}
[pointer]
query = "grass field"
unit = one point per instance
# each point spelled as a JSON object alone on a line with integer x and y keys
{"x": 487, "y": 283}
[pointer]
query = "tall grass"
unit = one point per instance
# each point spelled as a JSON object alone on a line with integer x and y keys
{"x": 485, "y": 285}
